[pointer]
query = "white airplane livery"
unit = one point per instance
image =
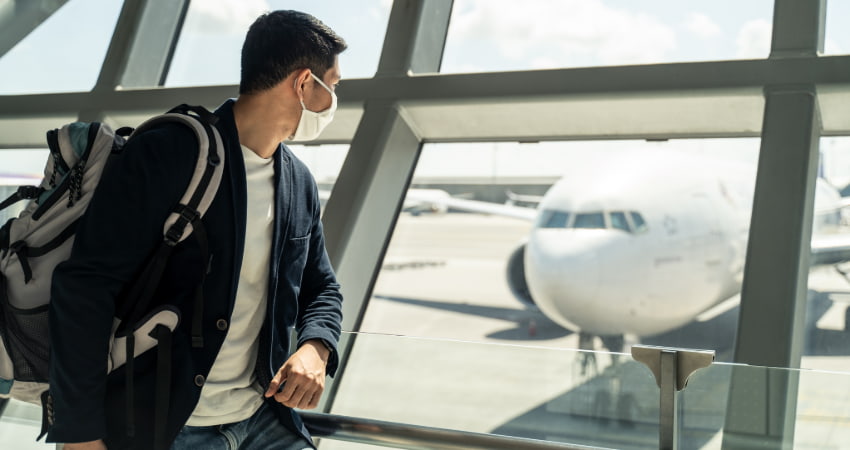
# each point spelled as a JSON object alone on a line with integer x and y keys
{"x": 643, "y": 243}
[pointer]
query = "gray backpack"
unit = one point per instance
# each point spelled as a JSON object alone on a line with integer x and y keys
{"x": 32, "y": 244}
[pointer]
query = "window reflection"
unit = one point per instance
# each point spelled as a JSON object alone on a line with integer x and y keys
{"x": 619, "y": 222}
{"x": 553, "y": 219}
{"x": 637, "y": 220}
{"x": 589, "y": 220}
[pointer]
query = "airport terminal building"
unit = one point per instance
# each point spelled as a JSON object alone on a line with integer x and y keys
{"x": 543, "y": 215}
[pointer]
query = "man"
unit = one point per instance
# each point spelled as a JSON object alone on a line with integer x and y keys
{"x": 267, "y": 272}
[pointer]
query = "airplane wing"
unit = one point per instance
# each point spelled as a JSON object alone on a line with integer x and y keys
{"x": 830, "y": 248}
{"x": 430, "y": 197}
{"x": 521, "y": 198}
{"x": 517, "y": 212}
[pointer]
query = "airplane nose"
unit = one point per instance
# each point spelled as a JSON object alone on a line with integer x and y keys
{"x": 563, "y": 273}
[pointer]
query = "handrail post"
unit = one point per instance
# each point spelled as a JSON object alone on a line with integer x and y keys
{"x": 672, "y": 367}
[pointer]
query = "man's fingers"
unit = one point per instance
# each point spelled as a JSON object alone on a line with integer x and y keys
{"x": 295, "y": 397}
{"x": 314, "y": 401}
{"x": 275, "y": 383}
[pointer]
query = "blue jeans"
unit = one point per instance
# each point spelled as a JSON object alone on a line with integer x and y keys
{"x": 262, "y": 431}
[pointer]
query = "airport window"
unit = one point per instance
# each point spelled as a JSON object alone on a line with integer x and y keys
{"x": 20, "y": 168}
{"x": 837, "y": 39}
{"x": 325, "y": 162}
{"x": 487, "y": 35}
{"x": 222, "y": 26}
{"x": 828, "y": 288}
{"x": 551, "y": 218}
{"x": 51, "y": 59}
{"x": 589, "y": 220}
{"x": 619, "y": 222}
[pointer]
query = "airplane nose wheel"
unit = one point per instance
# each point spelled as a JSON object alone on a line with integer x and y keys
{"x": 587, "y": 357}
{"x": 614, "y": 344}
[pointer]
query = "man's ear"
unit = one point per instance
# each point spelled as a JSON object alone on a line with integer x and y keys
{"x": 301, "y": 77}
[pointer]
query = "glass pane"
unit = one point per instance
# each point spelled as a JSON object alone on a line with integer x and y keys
{"x": 619, "y": 222}
{"x": 20, "y": 423}
{"x": 829, "y": 284}
{"x": 472, "y": 386}
{"x": 475, "y": 275}
{"x": 324, "y": 162}
{"x": 222, "y": 26}
{"x": 837, "y": 40}
{"x": 637, "y": 219}
{"x": 553, "y": 219}
{"x": 589, "y": 220}
{"x": 488, "y": 388}
{"x": 20, "y": 168}
{"x": 64, "y": 53}
{"x": 487, "y": 35}
{"x": 823, "y": 420}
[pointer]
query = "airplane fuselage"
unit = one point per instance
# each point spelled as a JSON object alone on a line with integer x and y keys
{"x": 643, "y": 245}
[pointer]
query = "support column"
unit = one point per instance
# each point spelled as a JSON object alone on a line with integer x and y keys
{"x": 19, "y": 18}
{"x": 363, "y": 208}
{"x": 773, "y": 297}
{"x": 762, "y": 404}
{"x": 141, "y": 49}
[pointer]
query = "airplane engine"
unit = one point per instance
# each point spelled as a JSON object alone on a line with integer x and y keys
{"x": 516, "y": 276}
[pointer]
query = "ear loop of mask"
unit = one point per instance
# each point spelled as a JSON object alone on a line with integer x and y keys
{"x": 321, "y": 83}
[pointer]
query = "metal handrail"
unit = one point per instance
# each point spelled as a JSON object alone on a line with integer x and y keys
{"x": 417, "y": 437}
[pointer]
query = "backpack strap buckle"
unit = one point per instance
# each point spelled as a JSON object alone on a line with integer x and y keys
{"x": 186, "y": 215}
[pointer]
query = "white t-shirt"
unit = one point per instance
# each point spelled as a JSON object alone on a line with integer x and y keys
{"x": 230, "y": 393}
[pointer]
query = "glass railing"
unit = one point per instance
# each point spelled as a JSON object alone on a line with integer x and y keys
{"x": 584, "y": 398}
{"x": 580, "y": 397}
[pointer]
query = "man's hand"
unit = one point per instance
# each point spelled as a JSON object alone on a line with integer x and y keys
{"x": 91, "y": 445}
{"x": 302, "y": 377}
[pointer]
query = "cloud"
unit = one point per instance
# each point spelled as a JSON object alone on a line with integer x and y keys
{"x": 224, "y": 16}
{"x": 702, "y": 26}
{"x": 754, "y": 39}
{"x": 563, "y": 31}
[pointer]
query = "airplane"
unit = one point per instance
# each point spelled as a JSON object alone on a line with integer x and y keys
{"x": 644, "y": 242}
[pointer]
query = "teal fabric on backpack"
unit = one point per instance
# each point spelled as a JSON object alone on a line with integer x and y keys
{"x": 78, "y": 134}
{"x": 5, "y": 386}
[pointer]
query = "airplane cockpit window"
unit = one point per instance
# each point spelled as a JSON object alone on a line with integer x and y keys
{"x": 619, "y": 221}
{"x": 589, "y": 220}
{"x": 551, "y": 218}
{"x": 637, "y": 220}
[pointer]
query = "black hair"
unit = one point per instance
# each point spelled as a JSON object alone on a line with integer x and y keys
{"x": 280, "y": 42}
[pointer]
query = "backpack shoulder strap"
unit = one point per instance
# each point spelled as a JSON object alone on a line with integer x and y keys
{"x": 208, "y": 169}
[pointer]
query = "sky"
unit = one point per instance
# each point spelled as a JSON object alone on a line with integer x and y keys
{"x": 65, "y": 53}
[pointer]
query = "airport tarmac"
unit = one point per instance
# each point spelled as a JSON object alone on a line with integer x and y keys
{"x": 445, "y": 344}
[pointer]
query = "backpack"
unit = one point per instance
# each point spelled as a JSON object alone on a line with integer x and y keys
{"x": 32, "y": 244}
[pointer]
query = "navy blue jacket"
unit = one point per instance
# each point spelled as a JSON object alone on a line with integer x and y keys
{"x": 122, "y": 226}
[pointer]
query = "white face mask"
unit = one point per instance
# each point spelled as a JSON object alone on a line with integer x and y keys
{"x": 312, "y": 123}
